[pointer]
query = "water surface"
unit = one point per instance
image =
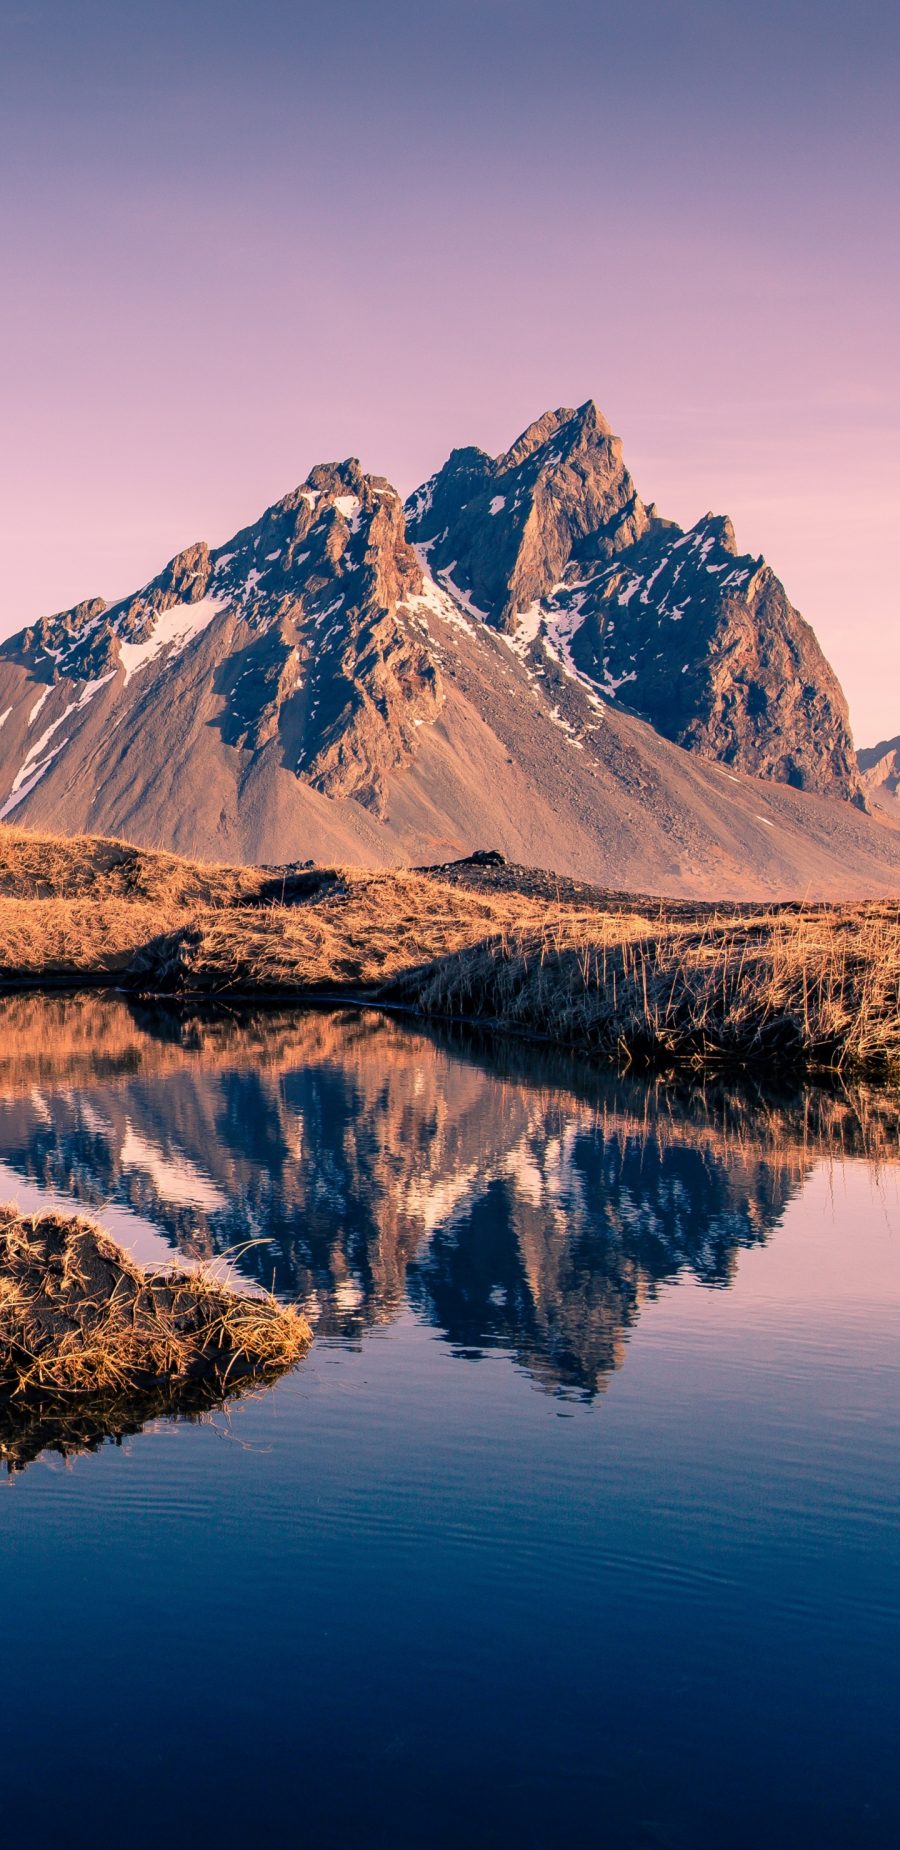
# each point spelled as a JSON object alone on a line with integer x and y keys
{"x": 579, "y": 1523}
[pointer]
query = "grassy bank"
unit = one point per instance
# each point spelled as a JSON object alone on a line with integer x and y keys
{"x": 634, "y": 979}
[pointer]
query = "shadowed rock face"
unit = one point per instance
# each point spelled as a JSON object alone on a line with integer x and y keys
{"x": 552, "y": 542}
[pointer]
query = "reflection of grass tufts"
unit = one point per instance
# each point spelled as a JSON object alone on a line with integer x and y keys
{"x": 89, "y": 1341}
{"x": 83, "y": 1423}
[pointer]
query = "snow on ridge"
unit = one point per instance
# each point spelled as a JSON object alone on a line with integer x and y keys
{"x": 436, "y": 598}
{"x": 22, "y": 790}
{"x": 329, "y": 611}
{"x": 173, "y": 629}
{"x": 624, "y": 597}
{"x": 612, "y": 683}
{"x": 40, "y": 701}
{"x": 562, "y": 628}
{"x": 554, "y": 627}
{"x": 22, "y": 784}
{"x": 423, "y": 499}
{"x": 645, "y": 594}
{"x": 348, "y": 505}
{"x": 528, "y": 623}
{"x": 445, "y": 574}
{"x": 497, "y": 502}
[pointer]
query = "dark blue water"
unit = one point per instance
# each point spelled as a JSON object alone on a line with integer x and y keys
{"x": 579, "y": 1525}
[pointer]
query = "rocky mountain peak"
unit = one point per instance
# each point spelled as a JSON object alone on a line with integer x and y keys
{"x": 501, "y": 530}
{"x": 342, "y": 658}
{"x": 552, "y": 544}
{"x": 719, "y": 528}
{"x": 585, "y": 425}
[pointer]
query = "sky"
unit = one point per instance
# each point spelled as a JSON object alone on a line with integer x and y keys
{"x": 240, "y": 237}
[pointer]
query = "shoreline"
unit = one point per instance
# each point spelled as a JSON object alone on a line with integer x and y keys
{"x": 624, "y": 980}
{"x": 798, "y": 1066}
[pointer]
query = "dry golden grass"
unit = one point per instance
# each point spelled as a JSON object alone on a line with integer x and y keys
{"x": 79, "y": 1318}
{"x": 36, "y": 866}
{"x": 49, "y": 939}
{"x": 818, "y": 987}
{"x": 368, "y": 930}
{"x": 815, "y": 985}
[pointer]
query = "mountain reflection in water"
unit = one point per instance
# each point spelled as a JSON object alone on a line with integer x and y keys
{"x": 511, "y": 1197}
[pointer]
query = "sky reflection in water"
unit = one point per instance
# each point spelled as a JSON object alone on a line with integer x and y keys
{"x": 631, "y": 1579}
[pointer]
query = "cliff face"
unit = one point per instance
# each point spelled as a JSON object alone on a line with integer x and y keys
{"x": 553, "y": 541}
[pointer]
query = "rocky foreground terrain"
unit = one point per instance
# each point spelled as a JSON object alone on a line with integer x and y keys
{"x": 526, "y": 656}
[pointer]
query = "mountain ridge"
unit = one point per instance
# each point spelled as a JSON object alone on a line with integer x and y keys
{"x": 326, "y": 684}
{"x": 563, "y": 551}
{"x": 879, "y": 769}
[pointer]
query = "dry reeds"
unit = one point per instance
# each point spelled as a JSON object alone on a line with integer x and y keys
{"x": 79, "y": 1319}
{"x": 818, "y": 987}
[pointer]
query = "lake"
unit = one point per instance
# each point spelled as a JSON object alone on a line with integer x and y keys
{"x": 579, "y": 1523}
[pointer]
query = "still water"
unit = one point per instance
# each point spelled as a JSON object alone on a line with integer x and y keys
{"x": 579, "y": 1524}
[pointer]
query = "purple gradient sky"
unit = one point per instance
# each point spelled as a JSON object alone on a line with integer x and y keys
{"x": 239, "y": 239}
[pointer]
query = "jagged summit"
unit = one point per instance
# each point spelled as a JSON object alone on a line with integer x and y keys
{"x": 528, "y": 655}
{"x": 552, "y": 543}
{"x": 501, "y": 531}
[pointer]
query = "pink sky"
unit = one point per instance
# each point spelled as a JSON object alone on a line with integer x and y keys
{"x": 232, "y": 253}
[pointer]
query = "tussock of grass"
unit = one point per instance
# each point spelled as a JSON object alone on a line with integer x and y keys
{"x": 78, "y": 1318}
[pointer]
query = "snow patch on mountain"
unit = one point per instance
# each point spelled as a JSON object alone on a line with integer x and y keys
{"x": 22, "y": 784}
{"x": 174, "y": 629}
{"x": 348, "y": 505}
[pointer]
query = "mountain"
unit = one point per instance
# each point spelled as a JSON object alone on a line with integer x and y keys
{"x": 345, "y": 680}
{"x": 553, "y": 543}
{"x": 879, "y": 769}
